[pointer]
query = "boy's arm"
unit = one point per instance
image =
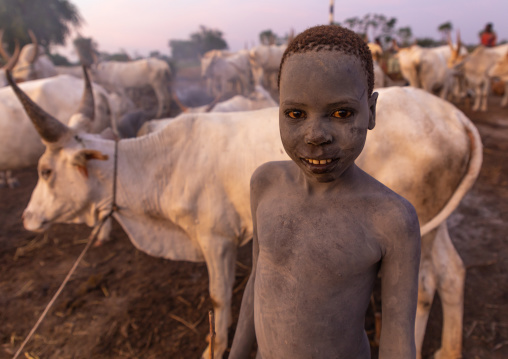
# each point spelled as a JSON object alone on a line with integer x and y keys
{"x": 245, "y": 334}
{"x": 399, "y": 286}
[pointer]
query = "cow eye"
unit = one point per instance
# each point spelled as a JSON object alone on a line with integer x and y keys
{"x": 45, "y": 173}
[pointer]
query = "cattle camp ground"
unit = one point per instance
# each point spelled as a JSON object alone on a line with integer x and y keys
{"x": 122, "y": 303}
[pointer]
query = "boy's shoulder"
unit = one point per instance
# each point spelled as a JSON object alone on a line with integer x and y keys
{"x": 390, "y": 212}
{"x": 269, "y": 175}
{"x": 272, "y": 172}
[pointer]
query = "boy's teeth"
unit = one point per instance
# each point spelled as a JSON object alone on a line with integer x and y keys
{"x": 319, "y": 162}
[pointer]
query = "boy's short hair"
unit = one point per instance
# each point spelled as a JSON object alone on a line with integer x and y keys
{"x": 332, "y": 38}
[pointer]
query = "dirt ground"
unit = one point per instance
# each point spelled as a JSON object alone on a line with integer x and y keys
{"x": 122, "y": 303}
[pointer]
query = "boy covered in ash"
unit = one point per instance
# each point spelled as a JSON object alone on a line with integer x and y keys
{"x": 323, "y": 228}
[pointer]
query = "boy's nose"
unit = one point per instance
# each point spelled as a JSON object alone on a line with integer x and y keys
{"x": 317, "y": 135}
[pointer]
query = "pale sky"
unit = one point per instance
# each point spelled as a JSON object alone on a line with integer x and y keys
{"x": 141, "y": 26}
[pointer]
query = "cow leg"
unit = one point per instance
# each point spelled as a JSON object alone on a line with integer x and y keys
{"x": 12, "y": 181}
{"x": 163, "y": 99}
{"x": 104, "y": 233}
{"x": 450, "y": 286}
{"x": 220, "y": 256}
{"x": 504, "y": 101}
{"x": 485, "y": 94}
{"x": 477, "y": 97}
{"x": 426, "y": 291}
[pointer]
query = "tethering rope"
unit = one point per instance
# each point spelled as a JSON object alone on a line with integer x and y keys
{"x": 91, "y": 239}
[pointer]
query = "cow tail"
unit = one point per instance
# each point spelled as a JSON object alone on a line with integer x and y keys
{"x": 474, "y": 166}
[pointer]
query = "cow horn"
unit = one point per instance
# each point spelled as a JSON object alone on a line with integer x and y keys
{"x": 4, "y": 54}
{"x": 183, "y": 108}
{"x": 450, "y": 43}
{"x": 459, "y": 43}
{"x": 211, "y": 105}
{"x": 87, "y": 105}
{"x": 36, "y": 46}
{"x": 49, "y": 128}
{"x": 11, "y": 62}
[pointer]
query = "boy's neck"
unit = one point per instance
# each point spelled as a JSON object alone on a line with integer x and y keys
{"x": 344, "y": 182}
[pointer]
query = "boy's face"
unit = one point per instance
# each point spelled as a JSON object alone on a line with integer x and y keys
{"x": 325, "y": 112}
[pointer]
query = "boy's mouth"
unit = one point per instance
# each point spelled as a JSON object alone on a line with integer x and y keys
{"x": 318, "y": 162}
{"x": 318, "y": 165}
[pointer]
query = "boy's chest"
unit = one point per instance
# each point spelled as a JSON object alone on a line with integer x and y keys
{"x": 339, "y": 238}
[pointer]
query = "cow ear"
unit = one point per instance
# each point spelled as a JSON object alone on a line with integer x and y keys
{"x": 82, "y": 157}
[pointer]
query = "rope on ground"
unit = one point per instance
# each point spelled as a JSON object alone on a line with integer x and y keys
{"x": 92, "y": 238}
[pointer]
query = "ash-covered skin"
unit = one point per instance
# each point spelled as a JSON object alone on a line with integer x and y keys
{"x": 323, "y": 228}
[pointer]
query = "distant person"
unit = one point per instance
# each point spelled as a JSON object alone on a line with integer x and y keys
{"x": 488, "y": 36}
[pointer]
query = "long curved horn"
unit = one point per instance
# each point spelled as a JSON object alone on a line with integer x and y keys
{"x": 450, "y": 43}
{"x": 459, "y": 43}
{"x": 11, "y": 62}
{"x": 183, "y": 108}
{"x": 36, "y": 46}
{"x": 87, "y": 105}
{"x": 4, "y": 54}
{"x": 49, "y": 128}
{"x": 212, "y": 104}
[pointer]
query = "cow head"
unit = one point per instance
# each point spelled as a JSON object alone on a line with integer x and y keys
{"x": 65, "y": 189}
{"x": 456, "y": 59}
{"x": 25, "y": 68}
{"x": 500, "y": 69}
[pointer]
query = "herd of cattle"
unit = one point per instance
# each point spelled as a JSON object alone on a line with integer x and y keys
{"x": 183, "y": 183}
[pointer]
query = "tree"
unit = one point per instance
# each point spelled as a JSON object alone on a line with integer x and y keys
{"x": 204, "y": 40}
{"x": 267, "y": 37}
{"x": 405, "y": 34}
{"x": 50, "y": 20}
{"x": 445, "y": 29}
{"x": 208, "y": 39}
{"x": 373, "y": 26}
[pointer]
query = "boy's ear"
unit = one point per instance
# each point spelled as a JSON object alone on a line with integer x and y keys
{"x": 372, "y": 110}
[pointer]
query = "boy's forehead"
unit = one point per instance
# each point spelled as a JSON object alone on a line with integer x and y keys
{"x": 321, "y": 66}
{"x": 325, "y": 60}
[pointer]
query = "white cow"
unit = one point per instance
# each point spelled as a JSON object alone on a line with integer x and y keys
{"x": 183, "y": 191}
{"x": 256, "y": 100}
{"x": 227, "y": 72}
{"x": 475, "y": 68}
{"x": 500, "y": 70}
{"x": 265, "y": 61}
{"x": 118, "y": 76}
{"x": 75, "y": 71}
{"x": 20, "y": 145}
{"x": 427, "y": 68}
{"x": 32, "y": 63}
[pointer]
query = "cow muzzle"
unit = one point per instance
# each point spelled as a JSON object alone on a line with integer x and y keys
{"x": 34, "y": 223}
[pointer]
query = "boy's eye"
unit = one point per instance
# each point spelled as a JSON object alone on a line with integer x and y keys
{"x": 342, "y": 114}
{"x": 295, "y": 114}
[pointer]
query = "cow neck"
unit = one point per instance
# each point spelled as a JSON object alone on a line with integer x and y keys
{"x": 144, "y": 165}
